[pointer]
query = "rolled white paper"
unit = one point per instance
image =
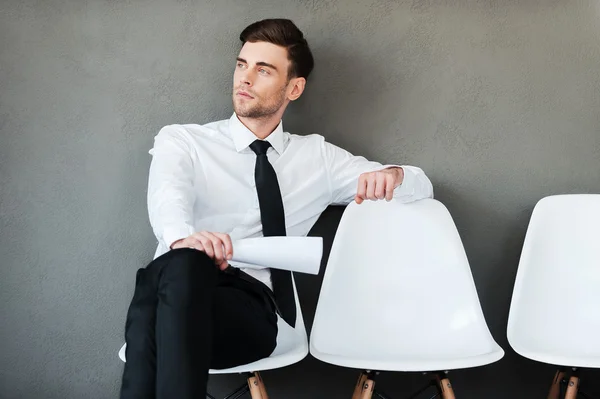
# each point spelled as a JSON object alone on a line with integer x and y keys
{"x": 296, "y": 254}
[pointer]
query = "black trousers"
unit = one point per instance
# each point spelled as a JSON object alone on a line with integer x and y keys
{"x": 187, "y": 316}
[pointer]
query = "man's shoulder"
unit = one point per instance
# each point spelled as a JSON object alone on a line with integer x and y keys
{"x": 310, "y": 139}
{"x": 192, "y": 131}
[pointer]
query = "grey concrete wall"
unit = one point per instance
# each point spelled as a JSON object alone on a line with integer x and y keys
{"x": 497, "y": 100}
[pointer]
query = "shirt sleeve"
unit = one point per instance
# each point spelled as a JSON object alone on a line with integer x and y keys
{"x": 171, "y": 186}
{"x": 344, "y": 170}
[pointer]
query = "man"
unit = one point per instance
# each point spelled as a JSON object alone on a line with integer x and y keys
{"x": 210, "y": 184}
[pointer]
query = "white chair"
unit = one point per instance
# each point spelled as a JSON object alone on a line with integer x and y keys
{"x": 398, "y": 295}
{"x": 554, "y": 313}
{"x": 292, "y": 347}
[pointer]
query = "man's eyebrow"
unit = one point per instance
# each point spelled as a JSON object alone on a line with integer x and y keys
{"x": 266, "y": 64}
{"x": 260, "y": 63}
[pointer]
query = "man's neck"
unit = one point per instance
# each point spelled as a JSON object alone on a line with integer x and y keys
{"x": 261, "y": 127}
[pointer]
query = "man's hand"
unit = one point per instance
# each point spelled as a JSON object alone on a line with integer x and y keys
{"x": 379, "y": 185}
{"x": 217, "y": 246}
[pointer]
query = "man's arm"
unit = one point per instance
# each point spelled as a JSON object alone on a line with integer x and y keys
{"x": 171, "y": 186}
{"x": 171, "y": 196}
{"x": 356, "y": 178}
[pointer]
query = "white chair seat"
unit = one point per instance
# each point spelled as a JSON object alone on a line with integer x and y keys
{"x": 400, "y": 361}
{"x": 554, "y": 315}
{"x": 398, "y": 293}
{"x": 292, "y": 347}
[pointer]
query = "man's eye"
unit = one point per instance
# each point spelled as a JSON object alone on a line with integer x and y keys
{"x": 263, "y": 71}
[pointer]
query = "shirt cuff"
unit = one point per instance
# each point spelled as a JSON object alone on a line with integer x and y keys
{"x": 407, "y": 188}
{"x": 174, "y": 233}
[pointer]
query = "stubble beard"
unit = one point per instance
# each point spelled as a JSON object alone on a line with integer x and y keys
{"x": 260, "y": 109}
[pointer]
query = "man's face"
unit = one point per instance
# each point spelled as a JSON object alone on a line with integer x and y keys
{"x": 260, "y": 80}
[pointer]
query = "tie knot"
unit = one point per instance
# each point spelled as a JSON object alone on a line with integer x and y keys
{"x": 260, "y": 147}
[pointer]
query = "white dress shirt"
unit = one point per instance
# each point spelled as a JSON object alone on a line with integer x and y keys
{"x": 202, "y": 179}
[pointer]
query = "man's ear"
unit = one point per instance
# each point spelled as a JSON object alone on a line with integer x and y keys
{"x": 296, "y": 88}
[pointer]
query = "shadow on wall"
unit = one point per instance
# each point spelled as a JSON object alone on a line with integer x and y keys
{"x": 338, "y": 94}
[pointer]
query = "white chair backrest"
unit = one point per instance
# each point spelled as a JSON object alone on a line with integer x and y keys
{"x": 556, "y": 297}
{"x": 398, "y": 276}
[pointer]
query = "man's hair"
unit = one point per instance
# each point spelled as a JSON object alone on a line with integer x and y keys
{"x": 283, "y": 32}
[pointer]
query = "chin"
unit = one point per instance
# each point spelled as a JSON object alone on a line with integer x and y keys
{"x": 240, "y": 111}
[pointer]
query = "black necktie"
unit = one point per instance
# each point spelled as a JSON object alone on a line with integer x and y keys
{"x": 272, "y": 217}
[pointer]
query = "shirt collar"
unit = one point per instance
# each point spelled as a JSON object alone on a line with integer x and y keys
{"x": 243, "y": 137}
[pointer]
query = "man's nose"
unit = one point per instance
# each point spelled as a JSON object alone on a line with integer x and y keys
{"x": 246, "y": 78}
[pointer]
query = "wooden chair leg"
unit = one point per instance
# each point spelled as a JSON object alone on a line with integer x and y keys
{"x": 555, "y": 387}
{"x": 359, "y": 385}
{"x": 367, "y": 389}
{"x": 445, "y": 388}
{"x": 572, "y": 387}
{"x": 256, "y": 386}
{"x": 261, "y": 384}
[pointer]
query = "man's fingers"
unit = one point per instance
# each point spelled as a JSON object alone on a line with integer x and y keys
{"x": 217, "y": 247}
{"x": 220, "y": 254}
{"x": 224, "y": 265}
{"x": 361, "y": 190}
{"x": 370, "y": 194}
{"x": 189, "y": 242}
{"x": 380, "y": 186}
{"x": 376, "y": 186}
{"x": 389, "y": 188}
{"x": 207, "y": 244}
{"x": 227, "y": 244}
{"x": 197, "y": 244}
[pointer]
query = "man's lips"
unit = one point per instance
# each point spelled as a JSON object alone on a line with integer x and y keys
{"x": 244, "y": 94}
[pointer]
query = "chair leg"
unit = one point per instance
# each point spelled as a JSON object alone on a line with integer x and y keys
{"x": 367, "y": 389}
{"x": 257, "y": 388}
{"x": 359, "y": 385}
{"x": 572, "y": 386}
{"x": 555, "y": 387}
{"x": 444, "y": 387}
{"x": 261, "y": 384}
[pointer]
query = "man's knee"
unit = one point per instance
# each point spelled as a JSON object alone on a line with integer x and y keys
{"x": 186, "y": 276}
{"x": 188, "y": 255}
{"x": 188, "y": 264}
